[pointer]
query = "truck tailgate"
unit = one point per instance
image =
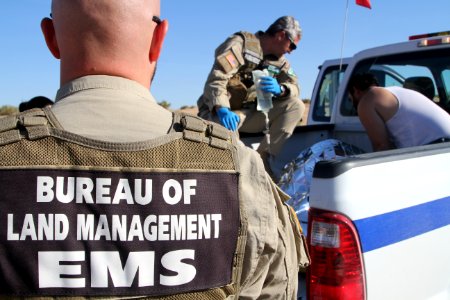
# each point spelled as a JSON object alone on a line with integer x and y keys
{"x": 399, "y": 202}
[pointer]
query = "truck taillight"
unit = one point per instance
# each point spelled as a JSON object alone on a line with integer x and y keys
{"x": 336, "y": 270}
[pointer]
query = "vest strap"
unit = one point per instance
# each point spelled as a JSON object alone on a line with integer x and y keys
{"x": 8, "y": 123}
{"x": 9, "y": 132}
{"x": 193, "y": 136}
{"x": 37, "y": 132}
{"x": 32, "y": 120}
{"x": 218, "y": 132}
{"x": 252, "y": 47}
{"x": 217, "y": 143}
{"x": 9, "y": 137}
{"x": 198, "y": 130}
{"x": 193, "y": 123}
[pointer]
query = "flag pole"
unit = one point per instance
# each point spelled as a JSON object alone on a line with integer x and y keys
{"x": 343, "y": 36}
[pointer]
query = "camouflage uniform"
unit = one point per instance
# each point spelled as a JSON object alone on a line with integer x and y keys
{"x": 230, "y": 84}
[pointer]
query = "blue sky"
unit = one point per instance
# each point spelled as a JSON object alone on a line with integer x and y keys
{"x": 198, "y": 27}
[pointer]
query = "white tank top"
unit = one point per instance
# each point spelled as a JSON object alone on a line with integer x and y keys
{"x": 418, "y": 121}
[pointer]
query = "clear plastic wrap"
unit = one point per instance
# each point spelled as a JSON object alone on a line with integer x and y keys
{"x": 296, "y": 175}
{"x": 263, "y": 99}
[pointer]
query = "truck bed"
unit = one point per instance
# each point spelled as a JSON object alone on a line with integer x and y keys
{"x": 399, "y": 203}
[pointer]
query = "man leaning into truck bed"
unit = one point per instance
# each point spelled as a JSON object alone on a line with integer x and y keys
{"x": 396, "y": 117}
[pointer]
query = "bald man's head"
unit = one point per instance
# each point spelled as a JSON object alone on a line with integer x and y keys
{"x": 110, "y": 37}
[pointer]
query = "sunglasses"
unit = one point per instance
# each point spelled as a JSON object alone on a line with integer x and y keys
{"x": 157, "y": 20}
{"x": 292, "y": 46}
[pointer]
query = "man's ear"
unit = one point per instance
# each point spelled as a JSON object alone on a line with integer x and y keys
{"x": 281, "y": 35}
{"x": 50, "y": 37}
{"x": 157, "y": 41}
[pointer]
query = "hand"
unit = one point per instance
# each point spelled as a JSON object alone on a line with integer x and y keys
{"x": 270, "y": 85}
{"x": 228, "y": 118}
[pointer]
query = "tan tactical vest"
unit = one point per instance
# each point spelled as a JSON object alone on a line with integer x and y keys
{"x": 159, "y": 219}
{"x": 241, "y": 86}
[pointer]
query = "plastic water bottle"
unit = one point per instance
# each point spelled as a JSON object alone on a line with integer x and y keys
{"x": 264, "y": 104}
{"x": 264, "y": 100}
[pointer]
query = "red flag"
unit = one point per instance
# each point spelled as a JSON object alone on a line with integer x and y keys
{"x": 365, "y": 3}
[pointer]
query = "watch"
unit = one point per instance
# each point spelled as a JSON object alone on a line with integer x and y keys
{"x": 283, "y": 90}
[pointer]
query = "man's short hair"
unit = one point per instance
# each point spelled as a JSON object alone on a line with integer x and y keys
{"x": 362, "y": 81}
{"x": 287, "y": 24}
{"x": 36, "y": 102}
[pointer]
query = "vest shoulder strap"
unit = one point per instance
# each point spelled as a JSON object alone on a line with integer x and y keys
{"x": 199, "y": 130}
{"x": 252, "y": 47}
{"x": 31, "y": 124}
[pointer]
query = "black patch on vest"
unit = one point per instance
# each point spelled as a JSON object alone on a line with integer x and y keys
{"x": 195, "y": 238}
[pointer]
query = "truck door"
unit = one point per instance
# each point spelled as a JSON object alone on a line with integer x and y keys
{"x": 324, "y": 94}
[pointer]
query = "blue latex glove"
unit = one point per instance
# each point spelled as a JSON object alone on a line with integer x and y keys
{"x": 270, "y": 85}
{"x": 228, "y": 118}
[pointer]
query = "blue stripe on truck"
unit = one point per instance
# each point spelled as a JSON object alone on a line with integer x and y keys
{"x": 389, "y": 228}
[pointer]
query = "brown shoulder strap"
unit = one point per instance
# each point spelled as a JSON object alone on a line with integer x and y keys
{"x": 31, "y": 124}
{"x": 252, "y": 47}
{"x": 199, "y": 130}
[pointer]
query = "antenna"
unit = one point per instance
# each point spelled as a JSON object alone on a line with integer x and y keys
{"x": 343, "y": 36}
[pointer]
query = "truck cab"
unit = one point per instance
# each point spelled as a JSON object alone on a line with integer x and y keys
{"x": 379, "y": 223}
{"x": 378, "y": 213}
{"x": 421, "y": 63}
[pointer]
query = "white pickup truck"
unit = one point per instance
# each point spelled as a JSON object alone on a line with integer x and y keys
{"x": 379, "y": 223}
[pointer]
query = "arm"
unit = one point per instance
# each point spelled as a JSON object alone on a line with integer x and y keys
{"x": 374, "y": 123}
{"x": 228, "y": 59}
{"x": 289, "y": 80}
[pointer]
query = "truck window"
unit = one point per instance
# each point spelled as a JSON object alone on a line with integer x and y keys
{"x": 426, "y": 72}
{"x": 327, "y": 93}
{"x": 446, "y": 84}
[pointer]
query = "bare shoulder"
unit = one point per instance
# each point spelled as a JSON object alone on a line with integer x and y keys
{"x": 379, "y": 100}
{"x": 386, "y": 104}
{"x": 376, "y": 94}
